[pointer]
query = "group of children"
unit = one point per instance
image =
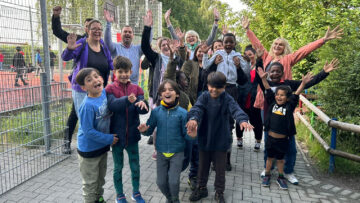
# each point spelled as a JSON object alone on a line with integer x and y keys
{"x": 110, "y": 117}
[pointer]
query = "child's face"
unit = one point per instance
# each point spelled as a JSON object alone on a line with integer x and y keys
{"x": 276, "y": 73}
{"x": 218, "y": 46}
{"x": 250, "y": 55}
{"x": 183, "y": 81}
{"x": 93, "y": 84}
{"x": 215, "y": 92}
{"x": 280, "y": 97}
{"x": 123, "y": 76}
{"x": 229, "y": 43}
{"x": 168, "y": 95}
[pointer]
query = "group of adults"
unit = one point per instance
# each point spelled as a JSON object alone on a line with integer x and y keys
{"x": 90, "y": 50}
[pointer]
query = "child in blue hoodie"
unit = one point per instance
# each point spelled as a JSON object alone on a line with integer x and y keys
{"x": 170, "y": 120}
{"x": 94, "y": 138}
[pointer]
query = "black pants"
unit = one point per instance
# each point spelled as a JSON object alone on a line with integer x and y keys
{"x": 255, "y": 120}
{"x": 219, "y": 159}
{"x": 71, "y": 123}
{"x": 19, "y": 74}
{"x": 233, "y": 91}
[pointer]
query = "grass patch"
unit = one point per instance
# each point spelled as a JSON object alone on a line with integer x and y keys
{"x": 346, "y": 141}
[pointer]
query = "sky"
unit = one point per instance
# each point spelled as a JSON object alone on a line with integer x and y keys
{"x": 236, "y": 5}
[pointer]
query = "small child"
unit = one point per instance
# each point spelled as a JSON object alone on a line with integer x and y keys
{"x": 280, "y": 125}
{"x": 94, "y": 138}
{"x": 170, "y": 120}
{"x": 124, "y": 123}
{"x": 212, "y": 112}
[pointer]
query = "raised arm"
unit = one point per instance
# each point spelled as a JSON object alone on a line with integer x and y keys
{"x": 73, "y": 49}
{"x": 206, "y": 62}
{"x": 245, "y": 23}
{"x": 169, "y": 25}
{"x": 214, "y": 28}
{"x": 145, "y": 44}
{"x": 108, "y": 41}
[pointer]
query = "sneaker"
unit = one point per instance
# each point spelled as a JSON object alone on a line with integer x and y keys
{"x": 101, "y": 200}
{"x": 282, "y": 183}
{"x": 150, "y": 140}
{"x": 266, "y": 181}
{"x": 198, "y": 194}
{"x": 121, "y": 199}
{"x": 66, "y": 149}
{"x": 240, "y": 143}
{"x": 137, "y": 197}
{"x": 192, "y": 182}
{"x": 262, "y": 174}
{"x": 153, "y": 156}
{"x": 219, "y": 197}
{"x": 291, "y": 178}
{"x": 228, "y": 167}
{"x": 257, "y": 146}
{"x": 25, "y": 83}
{"x": 17, "y": 85}
{"x": 213, "y": 166}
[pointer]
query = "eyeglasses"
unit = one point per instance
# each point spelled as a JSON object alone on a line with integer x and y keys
{"x": 96, "y": 29}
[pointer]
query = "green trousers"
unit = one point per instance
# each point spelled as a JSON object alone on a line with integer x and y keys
{"x": 118, "y": 156}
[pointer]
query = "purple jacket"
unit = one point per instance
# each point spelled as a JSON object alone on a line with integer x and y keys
{"x": 82, "y": 60}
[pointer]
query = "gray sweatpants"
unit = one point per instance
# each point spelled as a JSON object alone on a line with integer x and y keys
{"x": 168, "y": 174}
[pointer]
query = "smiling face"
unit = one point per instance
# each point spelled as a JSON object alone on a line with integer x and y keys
{"x": 229, "y": 43}
{"x": 215, "y": 92}
{"x": 278, "y": 47}
{"x": 164, "y": 47}
{"x": 168, "y": 94}
{"x": 280, "y": 97}
{"x": 95, "y": 31}
{"x": 123, "y": 75}
{"x": 250, "y": 55}
{"x": 127, "y": 35}
{"x": 218, "y": 46}
{"x": 191, "y": 39}
{"x": 276, "y": 73}
{"x": 93, "y": 84}
{"x": 199, "y": 54}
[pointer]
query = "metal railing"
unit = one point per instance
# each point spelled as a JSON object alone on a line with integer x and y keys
{"x": 334, "y": 124}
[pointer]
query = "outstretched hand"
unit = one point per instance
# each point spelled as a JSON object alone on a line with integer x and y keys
{"x": 205, "y": 48}
{"x": 71, "y": 39}
{"x": 142, "y": 105}
{"x": 148, "y": 20}
{"x": 191, "y": 126}
{"x": 180, "y": 34}
{"x": 167, "y": 16}
{"x": 224, "y": 30}
{"x": 262, "y": 74}
{"x": 57, "y": 11}
{"x": 333, "y": 34}
{"x": 245, "y": 22}
{"x": 143, "y": 127}
{"x": 218, "y": 59}
{"x": 259, "y": 52}
{"x": 108, "y": 17}
{"x": 216, "y": 15}
{"x": 246, "y": 126}
{"x": 307, "y": 78}
{"x": 332, "y": 66}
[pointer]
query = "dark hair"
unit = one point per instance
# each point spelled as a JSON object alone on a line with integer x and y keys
{"x": 18, "y": 48}
{"x": 277, "y": 64}
{"x": 250, "y": 48}
{"x": 173, "y": 84}
{"x": 216, "y": 79}
{"x": 212, "y": 45}
{"x": 88, "y": 20}
{"x": 196, "y": 50}
{"x": 83, "y": 73}
{"x": 121, "y": 62}
{"x": 285, "y": 88}
{"x": 229, "y": 34}
{"x": 93, "y": 21}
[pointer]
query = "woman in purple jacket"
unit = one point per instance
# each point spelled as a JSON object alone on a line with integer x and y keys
{"x": 87, "y": 52}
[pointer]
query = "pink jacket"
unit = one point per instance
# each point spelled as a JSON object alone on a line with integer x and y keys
{"x": 288, "y": 61}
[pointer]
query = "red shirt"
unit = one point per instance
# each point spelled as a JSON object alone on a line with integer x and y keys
{"x": 1, "y": 58}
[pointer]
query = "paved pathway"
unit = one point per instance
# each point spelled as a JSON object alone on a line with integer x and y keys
{"x": 62, "y": 183}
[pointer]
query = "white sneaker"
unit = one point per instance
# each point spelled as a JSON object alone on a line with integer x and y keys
{"x": 257, "y": 146}
{"x": 291, "y": 178}
{"x": 262, "y": 174}
{"x": 240, "y": 143}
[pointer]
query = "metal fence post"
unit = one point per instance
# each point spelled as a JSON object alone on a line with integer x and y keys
{"x": 32, "y": 39}
{"x": 332, "y": 146}
{"x": 312, "y": 119}
{"x": 45, "y": 100}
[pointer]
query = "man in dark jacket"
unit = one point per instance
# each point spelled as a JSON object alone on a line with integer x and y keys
{"x": 19, "y": 64}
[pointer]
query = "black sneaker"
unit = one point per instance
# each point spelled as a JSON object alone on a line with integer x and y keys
{"x": 198, "y": 194}
{"x": 17, "y": 85}
{"x": 192, "y": 183}
{"x": 25, "y": 83}
{"x": 228, "y": 167}
{"x": 66, "y": 149}
{"x": 150, "y": 140}
{"x": 219, "y": 197}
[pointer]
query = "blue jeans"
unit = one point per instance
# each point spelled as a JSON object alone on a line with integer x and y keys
{"x": 78, "y": 98}
{"x": 1, "y": 65}
{"x": 290, "y": 156}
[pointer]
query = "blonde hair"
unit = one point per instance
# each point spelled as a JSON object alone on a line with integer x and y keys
{"x": 287, "y": 49}
{"x": 192, "y": 32}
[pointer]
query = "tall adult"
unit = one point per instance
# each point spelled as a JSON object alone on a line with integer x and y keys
{"x": 19, "y": 64}
{"x": 280, "y": 51}
{"x": 125, "y": 47}
{"x": 88, "y": 52}
{"x": 62, "y": 35}
{"x": 192, "y": 39}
